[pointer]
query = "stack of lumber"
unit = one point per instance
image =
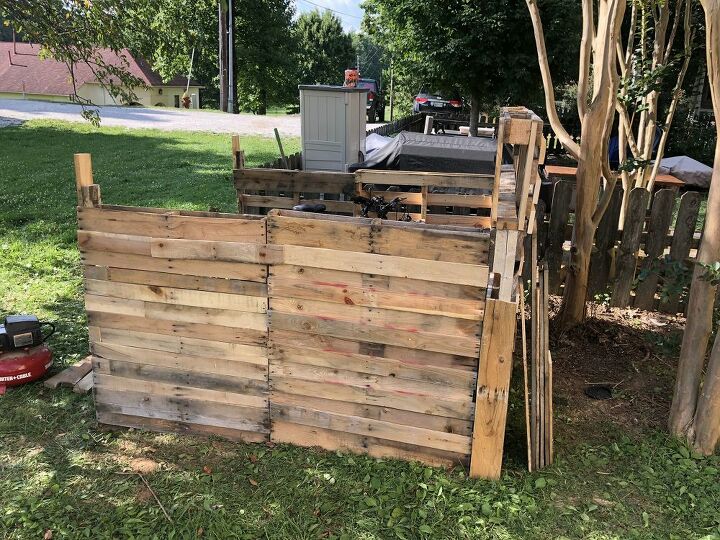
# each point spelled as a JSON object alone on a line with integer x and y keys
{"x": 79, "y": 377}
{"x": 375, "y": 334}
{"x": 177, "y": 306}
{"x": 539, "y": 405}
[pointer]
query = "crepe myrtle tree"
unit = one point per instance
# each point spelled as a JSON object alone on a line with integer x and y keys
{"x": 598, "y": 83}
{"x": 695, "y": 411}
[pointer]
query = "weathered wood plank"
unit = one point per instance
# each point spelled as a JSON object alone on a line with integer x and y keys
{"x": 370, "y": 427}
{"x": 660, "y": 218}
{"x": 217, "y": 366}
{"x": 386, "y": 414}
{"x": 212, "y": 332}
{"x": 351, "y": 288}
{"x": 601, "y": 257}
{"x": 294, "y": 181}
{"x": 562, "y": 197}
{"x": 180, "y": 297}
{"x": 465, "y": 346}
{"x": 177, "y": 281}
{"x": 288, "y": 432}
{"x": 181, "y": 377}
{"x": 493, "y": 385}
{"x": 112, "y": 419}
{"x": 681, "y": 243}
{"x": 70, "y": 376}
{"x": 184, "y": 346}
{"x": 629, "y": 246}
{"x": 268, "y": 201}
{"x": 213, "y": 269}
{"x": 316, "y": 342}
{"x": 161, "y": 223}
{"x": 423, "y": 178}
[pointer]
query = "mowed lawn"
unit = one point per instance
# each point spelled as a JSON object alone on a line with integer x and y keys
{"x": 60, "y": 472}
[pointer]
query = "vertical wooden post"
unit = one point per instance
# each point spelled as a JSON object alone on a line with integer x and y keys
{"x": 493, "y": 383}
{"x": 238, "y": 154}
{"x": 498, "y": 170}
{"x": 428, "y": 125}
{"x": 423, "y": 207}
{"x": 88, "y": 193}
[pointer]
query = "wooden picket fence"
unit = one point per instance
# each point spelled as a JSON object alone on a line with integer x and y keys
{"x": 646, "y": 263}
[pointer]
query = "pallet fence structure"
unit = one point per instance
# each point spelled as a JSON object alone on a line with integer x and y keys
{"x": 389, "y": 338}
{"x": 641, "y": 265}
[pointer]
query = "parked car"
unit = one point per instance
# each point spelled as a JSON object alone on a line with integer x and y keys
{"x": 427, "y": 101}
{"x": 375, "y": 100}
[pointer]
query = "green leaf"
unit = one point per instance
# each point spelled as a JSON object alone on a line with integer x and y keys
{"x": 427, "y": 529}
{"x": 540, "y": 483}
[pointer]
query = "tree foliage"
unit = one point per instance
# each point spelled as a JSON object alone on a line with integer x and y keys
{"x": 483, "y": 47}
{"x": 325, "y": 50}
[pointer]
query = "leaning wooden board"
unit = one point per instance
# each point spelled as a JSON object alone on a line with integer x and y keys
{"x": 177, "y": 308}
{"x": 383, "y": 361}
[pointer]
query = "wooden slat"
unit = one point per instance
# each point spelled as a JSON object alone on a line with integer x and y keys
{"x": 111, "y": 418}
{"x": 386, "y": 318}
{"x": 281, "y": 352}
{"x": 601, "y": 257}
{"x": 268, "y": 201}
{"x": 376, "y": 412}
{"x": 209, "y": 251}
{"x": 217, "y": 366}
{"x": 181, "y": 377}
{"x": 386, "y": 265}
{"x": 464, "y": 346}
{"x": 184, "y": 345}
{"x": 380, "y": 237}
{"x": 181, "y": 297}
{"x": 351, "y": 288}
{"x": 318, "y": 342}
{"x": 562, "y": 196}
{"x": 213, "y": 269}
{"x": 336, "y": 440}
{"x": 682, "y": 241}
{"x": 627, "y": 254}
{"x": 160, "y": 223}
{"x": 177, "y": 281}
{"x": 70, "y": 376}
{"x": 416, "y": 178}
{"x": 294, "y": 181}
{"x": 212, "y": 332}
{"x": 369, "y": 427}
{"x": 493, "y": 385}
{"x": 84, "y": 385}
{"x": 661, "y": 214}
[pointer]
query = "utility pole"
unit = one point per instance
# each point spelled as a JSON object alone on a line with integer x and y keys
{"x": 392, "y": 95}
{"x": 231, "y": 59}
{"x": 222, "y": 54}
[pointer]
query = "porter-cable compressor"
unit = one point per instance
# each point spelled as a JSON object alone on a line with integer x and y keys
{"x": 23, "y": 355}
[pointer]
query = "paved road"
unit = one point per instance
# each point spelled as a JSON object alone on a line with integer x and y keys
{"x": 156, "y": 118}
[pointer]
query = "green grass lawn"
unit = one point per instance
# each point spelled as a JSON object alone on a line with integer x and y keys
{"x": 59, "y": 471}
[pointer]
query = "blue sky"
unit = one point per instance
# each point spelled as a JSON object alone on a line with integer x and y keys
{"x": 349, "y": 11}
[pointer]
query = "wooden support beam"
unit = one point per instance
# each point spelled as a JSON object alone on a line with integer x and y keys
{"x": 88, "y": 193}
{"x": 498, "y": 170}
{"x": 238, "y": 154}
{"x": 492, "y": 391}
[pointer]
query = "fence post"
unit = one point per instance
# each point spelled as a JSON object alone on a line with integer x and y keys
{"x": 88, "y": 193}
{"x": 682, "y": 242}
{"x": 660, "y": 218}
{"x": 560, "y": 211}
{"x": 605, "y": 237}
{"x": 627, "y": 254}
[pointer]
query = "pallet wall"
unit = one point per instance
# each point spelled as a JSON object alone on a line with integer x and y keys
{"x": 177, "y": 310}
{"x": 375, "y": 335}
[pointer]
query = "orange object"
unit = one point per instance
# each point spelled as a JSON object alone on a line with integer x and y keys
{"x": 352, "y": 77}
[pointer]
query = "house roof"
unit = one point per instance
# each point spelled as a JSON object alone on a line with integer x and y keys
{"x": 22, "y": 70}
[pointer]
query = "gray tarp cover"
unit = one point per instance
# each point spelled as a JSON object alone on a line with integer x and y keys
{"x": 692, "y": 172}
{"x": 419, "y": 152}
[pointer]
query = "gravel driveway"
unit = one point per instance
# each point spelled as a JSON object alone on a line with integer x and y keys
{"x": 157, "y": 118}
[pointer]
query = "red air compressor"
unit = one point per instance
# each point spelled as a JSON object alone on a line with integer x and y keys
{"x": 23, "y": 355}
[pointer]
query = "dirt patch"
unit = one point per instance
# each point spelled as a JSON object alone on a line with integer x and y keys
{"x": 144, "y": 465}
{"x": 630, "y": 351}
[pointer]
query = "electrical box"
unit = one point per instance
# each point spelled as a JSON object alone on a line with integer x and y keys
{"x": 332, "y": 122}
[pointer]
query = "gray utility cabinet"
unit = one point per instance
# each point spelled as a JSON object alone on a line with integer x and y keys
{"x": 332, "y": 126}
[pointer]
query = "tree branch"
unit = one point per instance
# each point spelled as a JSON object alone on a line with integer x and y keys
{"x": 585, "y": 57}
{"x": 563, "y": 136}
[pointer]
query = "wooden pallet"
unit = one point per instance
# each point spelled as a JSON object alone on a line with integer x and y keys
{"x": 79, "y": 377}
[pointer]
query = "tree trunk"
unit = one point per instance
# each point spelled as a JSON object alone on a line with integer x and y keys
{"x": 683, "y": 419}
{"x": 474, "y": 115}
{"x": 263, "y": 102}
{"x": 588, "y": 176}
{"x": 707, "y": 417}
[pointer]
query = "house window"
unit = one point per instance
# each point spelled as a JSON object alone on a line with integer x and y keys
{"x": 177, "y": 101}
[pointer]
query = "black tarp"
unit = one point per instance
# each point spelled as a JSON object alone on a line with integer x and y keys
{"x": 435, "y": 153}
